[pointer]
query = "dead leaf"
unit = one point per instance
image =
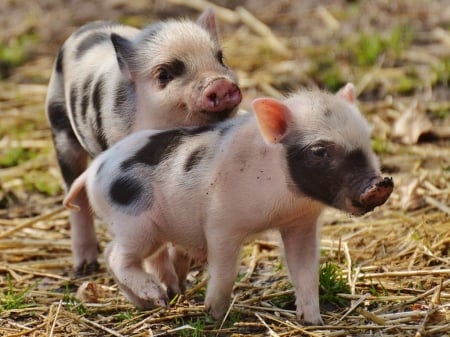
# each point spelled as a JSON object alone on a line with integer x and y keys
{"x": 90, "y": 292}
{"x": 410, "y": 199}
{"x": 412, "y": 124}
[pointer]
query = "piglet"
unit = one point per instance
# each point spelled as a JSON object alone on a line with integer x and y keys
{"x": 110, "y": 80}
{"x": 207, "y": 189}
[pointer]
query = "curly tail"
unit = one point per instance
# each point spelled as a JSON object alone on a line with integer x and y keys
{"x": 77, "y": 186}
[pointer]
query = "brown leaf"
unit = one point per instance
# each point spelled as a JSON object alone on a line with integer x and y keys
{"x": 410, "y": 199}
{"x": 90, "y": 292}
{"x": 412, "y": 124}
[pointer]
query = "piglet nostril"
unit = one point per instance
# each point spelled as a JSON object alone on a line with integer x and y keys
{"x": 213, "y": 99}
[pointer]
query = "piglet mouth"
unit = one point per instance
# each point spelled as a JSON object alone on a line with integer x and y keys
{"x": 376, "y": 194}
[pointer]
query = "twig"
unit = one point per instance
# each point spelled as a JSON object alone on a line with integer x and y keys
{"x": 354, "y": 306}
{"x": 404, "y": 273}
{"x": 31, "y": 222}
{"x": 271, "y": 332}
{"x": 437, "y": 204}
{"x": 104, "y": 328}
{"x": 226, "y": 315}
{"x": 55, "y": 318}
{"x": 223, "y": 13}
{"x": 262, "y": 29}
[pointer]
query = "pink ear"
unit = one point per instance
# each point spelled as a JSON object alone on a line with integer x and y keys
{"x": 273, "y": 118}
{"x": 207, "y": 20}
{"x": 348, "y": 93}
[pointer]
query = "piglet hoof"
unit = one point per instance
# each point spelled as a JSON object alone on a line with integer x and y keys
{"x": 309, "y": 318}
{"x": 86, "y": 269}
{"x": 151, "y": 297}
{"x": 216, "y": 311}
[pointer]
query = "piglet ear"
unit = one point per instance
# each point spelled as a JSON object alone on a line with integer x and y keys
{"x": 348, "y": 93}
{"x": 273, "y": 119}
{"x": 207, "y": 20}
{"x": 124, "y": 53}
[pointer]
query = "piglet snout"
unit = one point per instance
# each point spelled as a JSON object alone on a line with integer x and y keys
{"x": 221, "y": 94}
{"x": 377, "y": 193}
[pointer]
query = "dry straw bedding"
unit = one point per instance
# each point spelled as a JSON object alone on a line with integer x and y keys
{"x": 395, "y": 260}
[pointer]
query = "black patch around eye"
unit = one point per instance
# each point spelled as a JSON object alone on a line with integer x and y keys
{"x": 320, "y": 151}
{"x": 194, "y": 158}
{"x": 355, "y": 160}
{"x": 177, "y": 67}
{"x": 91, "y": 41}
{"x": 125, "y": 191}
{"x": 311, "y": 176}
{"x": 170, "y": 71}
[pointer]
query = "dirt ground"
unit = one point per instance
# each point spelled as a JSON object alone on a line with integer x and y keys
{"x": 384, "y": 274}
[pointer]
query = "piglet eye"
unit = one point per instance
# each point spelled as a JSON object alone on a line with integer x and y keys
{"x": 164, "y": 76}
{"x": 320, "y": 151}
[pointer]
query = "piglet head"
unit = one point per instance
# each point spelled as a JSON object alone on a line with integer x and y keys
{"x": 327, "y": 147}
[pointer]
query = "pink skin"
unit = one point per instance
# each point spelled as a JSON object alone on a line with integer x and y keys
{"x": 220, "y": 94}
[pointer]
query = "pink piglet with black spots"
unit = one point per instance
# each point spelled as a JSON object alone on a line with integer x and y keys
{"x": 208, "y": 189}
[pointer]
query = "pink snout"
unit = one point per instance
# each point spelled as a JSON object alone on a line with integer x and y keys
{"x": 219, "y": 95}
{"x": 376, "y": 194}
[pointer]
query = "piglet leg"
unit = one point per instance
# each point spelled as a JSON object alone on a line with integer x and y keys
{"x": 302, "y": 257}
{"x": 223, "y": 254}
{"x": 124, "y": 258}
{"x": 161, "y": 265}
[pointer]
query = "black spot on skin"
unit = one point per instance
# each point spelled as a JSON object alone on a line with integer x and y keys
{"x": 125, "y": 191}
{"x": 72, "y": 158}
{"x": 57, "y": 115}
{"x": 155, "y": 150}
{"x": 59, "y": 61}
{"x": 160, "y": 145}
{"x": 124, "y": 95}
{"x": 68, "y": 171}
{"x": 95, "y": 25}
{"x": 194, "y": 158}
{"x": 90, "y": 41}
{"x": 124, "y": 51}
{"x": 73, "y": 99}
{"x": 97, "y": 98}
{"x": 85, "y": 98}
{"x": 323, "y": 176}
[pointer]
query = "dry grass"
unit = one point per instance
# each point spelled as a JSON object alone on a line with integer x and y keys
{"x": 395, "y": 260}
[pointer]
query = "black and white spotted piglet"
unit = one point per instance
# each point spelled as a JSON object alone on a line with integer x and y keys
{"x": 209, "y": 188}
{"x": 110, "y": 80}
